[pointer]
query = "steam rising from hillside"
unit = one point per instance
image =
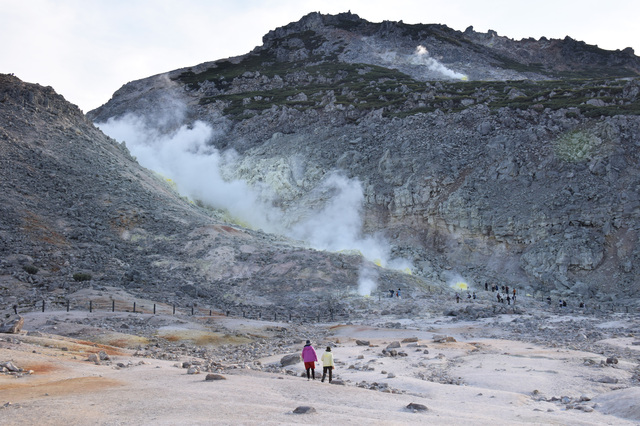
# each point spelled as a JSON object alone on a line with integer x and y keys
{"x": 421, "y": 57}
{"x": 187, "y": 157}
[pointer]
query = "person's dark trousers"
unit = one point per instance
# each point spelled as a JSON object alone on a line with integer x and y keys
{"x": 324, "y": 373}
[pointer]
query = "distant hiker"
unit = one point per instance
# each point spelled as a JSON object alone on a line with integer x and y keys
{"x": 391, "y": 292}
{"x": 474, "y": 295}
{"x": 582, "y": 304}
{"x": 499, "y": 298}
{"x": 560, "y": 303}
{"x": 514, "y": 292}
{"x": 564, "y": 303}
{"x": 508, "y": 299}
{"x": 549, "y": 300}
{"x": 457, "y": 298}
{"x": 506, "y": 289}
{"x": 327, "y": 364}
{"x": 398, "y": 294}
{"x": 486, "y": 286}
{"x": 309, "y": 357}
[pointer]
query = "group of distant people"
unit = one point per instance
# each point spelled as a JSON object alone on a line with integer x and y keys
{"x": 309, "y": 357}
{"x": 504, "y": 294}
{"x": 563, "y": 303}
{"x": 394, "y": 293}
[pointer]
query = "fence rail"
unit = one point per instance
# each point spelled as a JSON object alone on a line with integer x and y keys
{"x": 96, "y": 306}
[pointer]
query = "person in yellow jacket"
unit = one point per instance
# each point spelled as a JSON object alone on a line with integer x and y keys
{"x": 327, "y": 364}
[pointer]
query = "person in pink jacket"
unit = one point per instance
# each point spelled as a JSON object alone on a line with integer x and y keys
{"x": 309, "y": 358}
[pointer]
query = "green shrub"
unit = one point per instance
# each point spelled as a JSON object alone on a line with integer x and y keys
{"x": 30, "y": 269}
{"x": 80, "y": 276}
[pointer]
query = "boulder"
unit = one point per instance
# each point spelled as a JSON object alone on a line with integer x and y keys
{"x": 290, "y": 360}
{"x": 417, "y": 407}
{"x": 410, "y": 340}
{"x": 212, "y": 377}
{"x": 13, "y": 326}
{"x": 439, "y": 338}
{"x": 393, "y": 345}
{"x": 363, "y": 343}
{"x": 304, "y": 410}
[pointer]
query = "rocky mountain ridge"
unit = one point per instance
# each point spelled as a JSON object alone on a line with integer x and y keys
{"x": 78, "y": 211}
{"x": 529, "y": 179}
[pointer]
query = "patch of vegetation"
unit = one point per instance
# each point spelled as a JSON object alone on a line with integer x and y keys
{"x": 369, "y": 87}
{"x": 30, "y": 269}
{"x": 577, "y": 145}
{"x": 81, "y": 276}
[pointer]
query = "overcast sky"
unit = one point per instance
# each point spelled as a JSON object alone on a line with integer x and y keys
{"x": 87, "y": 49}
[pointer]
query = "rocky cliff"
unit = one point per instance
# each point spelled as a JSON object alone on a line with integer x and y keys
{"x": 504, "y": 161}
{"x": 77, "y": 210}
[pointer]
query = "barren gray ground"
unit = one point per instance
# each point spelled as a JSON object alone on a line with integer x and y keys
{"x": 540, "y": 367}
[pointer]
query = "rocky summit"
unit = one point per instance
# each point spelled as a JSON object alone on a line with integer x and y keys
{"x": 471, "y": 156}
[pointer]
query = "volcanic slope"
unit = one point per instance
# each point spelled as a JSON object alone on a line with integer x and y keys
{"x": 511, "y": 162}
{"x": 78, "y": 211}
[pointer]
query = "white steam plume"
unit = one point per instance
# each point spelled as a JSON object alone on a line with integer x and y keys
{"x": 421, "y": 57}
{"x": 187, "y": 157}
{"x": 367, "y": 280}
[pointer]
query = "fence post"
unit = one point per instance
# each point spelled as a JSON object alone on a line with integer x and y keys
{"x": 260, "y": 315}
{"x": 275, "y": 316}
{"x": 191, "y": 309}
{"x": 227, "y": 313}
{"x": 134, "y": 307}
{"x": 289, "y": 316}
{"x": 174, "y": 309}
{"x": 43, "y": 306}
{"x": 154, "y": 309}
{"x": 90, "y": 306}
{"x": 318, "y": 318}
{"x": 209, "y": 312}
{"x": 67, "y": 305}
{"x": 113, "y": 305}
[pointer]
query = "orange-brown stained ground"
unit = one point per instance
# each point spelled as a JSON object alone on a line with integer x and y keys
{"x": 17, "y": 391}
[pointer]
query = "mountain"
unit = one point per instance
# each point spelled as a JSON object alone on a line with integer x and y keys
{"x": 477, "y": 158}
{"x": 503, "y": 161}
{"x": 77, "y": 210}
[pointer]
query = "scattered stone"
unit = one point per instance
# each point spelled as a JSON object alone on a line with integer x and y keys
{"x": 103, "y": 356}
{"x": 337, "y": 382}
{"x": 193, "y": 370}
{"x": 304, "y": 410}
{"x": 612, "y": 360}
{"x": 410, "y": 340}
{"x": 417, "y": 407}
{"x": 391, "y": 376}
{"x": 608, "y": 380}
{"x": 10, "y": 367}
{"x": 212, "y": 377}
{"x": 363, "y": 343}
{"x": 393, "y": 345}
{"x": 93, "y": 358}
{"x": 439, "y": 338}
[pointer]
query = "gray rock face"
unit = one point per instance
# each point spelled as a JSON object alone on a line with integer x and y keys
{"x": 534, "y": 184}
{"x": 12, "y": 326}
{"x": 290, "y": 359}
